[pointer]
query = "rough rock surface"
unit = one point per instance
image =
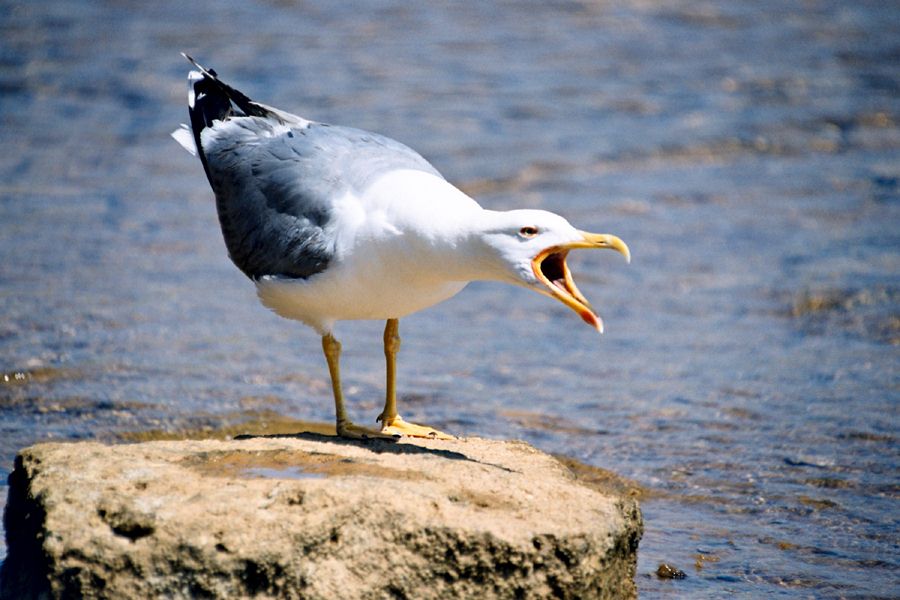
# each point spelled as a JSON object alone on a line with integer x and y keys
{"x": 312, "y": 516}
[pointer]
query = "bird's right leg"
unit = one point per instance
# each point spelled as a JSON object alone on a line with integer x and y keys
{"x": 391, "y": 422}
{"x": 345, "y": 428}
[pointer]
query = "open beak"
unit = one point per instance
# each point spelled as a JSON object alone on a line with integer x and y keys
{"x": 551, "y": 269}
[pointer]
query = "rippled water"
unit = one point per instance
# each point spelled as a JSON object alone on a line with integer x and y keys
{"x": 749, "y": 153}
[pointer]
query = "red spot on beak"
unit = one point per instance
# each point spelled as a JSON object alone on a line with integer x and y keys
{"x": 592, "y": 320}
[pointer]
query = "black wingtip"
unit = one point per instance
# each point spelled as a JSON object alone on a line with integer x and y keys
{"x": 242, "y": 101}
{"x": 191, "y": 60}
{"x": 211, "y": 73}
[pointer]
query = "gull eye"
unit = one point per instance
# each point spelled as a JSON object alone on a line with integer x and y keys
{"x": 528, "y": 232}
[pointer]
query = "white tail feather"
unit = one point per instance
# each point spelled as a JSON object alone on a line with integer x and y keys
{"x": 193, "y": 77}
{"x": 184, "y": 136}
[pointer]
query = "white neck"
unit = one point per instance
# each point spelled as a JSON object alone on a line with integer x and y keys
{"x": 438, "y": 222}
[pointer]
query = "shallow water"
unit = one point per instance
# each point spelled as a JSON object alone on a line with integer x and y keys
{"x": 749, "y": 153}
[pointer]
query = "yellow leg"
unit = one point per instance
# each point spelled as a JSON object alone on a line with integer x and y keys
{"x": 345, "y": 428}
{"x": 391, "y": 422}
{"x": 391, "y": 348}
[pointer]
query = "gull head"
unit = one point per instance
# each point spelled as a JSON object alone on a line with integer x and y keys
{"x": 530, "y": 248}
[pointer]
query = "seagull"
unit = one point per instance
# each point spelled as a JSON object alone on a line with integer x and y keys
{"x": 335, "y": 223}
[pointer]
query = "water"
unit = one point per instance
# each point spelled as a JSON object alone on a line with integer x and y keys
{"x": 749, "y": 153}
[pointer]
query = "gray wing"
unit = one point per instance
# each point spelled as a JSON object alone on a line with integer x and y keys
{"x": 275, "y": 185}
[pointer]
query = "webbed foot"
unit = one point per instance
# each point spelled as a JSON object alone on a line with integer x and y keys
{"x": 347, "y": 429}
{"x": 397, "y": 426}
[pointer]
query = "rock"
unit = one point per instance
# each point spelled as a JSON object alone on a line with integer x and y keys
{"x": 312, "y": 516}
{"x": 667, "y": 571}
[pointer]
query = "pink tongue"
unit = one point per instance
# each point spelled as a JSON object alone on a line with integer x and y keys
{"x": 561, "y": 284}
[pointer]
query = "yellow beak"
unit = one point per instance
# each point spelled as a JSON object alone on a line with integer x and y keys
{"x": 550, "y": 268}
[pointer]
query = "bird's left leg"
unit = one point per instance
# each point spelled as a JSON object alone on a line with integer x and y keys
{"x": 345, "y": 428}
{"x": 391, "y": 422}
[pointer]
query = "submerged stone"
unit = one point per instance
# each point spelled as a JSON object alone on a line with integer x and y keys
{"x": 667, "y": 571}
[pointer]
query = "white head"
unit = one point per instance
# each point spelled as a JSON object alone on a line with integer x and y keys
{"x": 529, "y": 248}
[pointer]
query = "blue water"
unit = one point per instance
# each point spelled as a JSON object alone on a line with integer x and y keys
{"x": 749, "y": 153}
